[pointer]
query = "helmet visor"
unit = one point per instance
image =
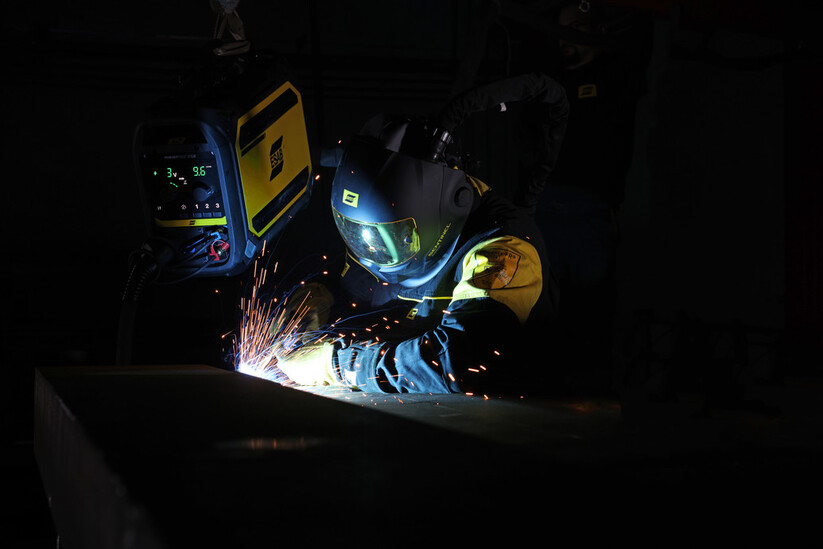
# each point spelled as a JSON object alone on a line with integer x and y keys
{"x": 384, "y": 244}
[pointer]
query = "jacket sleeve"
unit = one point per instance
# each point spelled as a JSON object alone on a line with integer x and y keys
{"x": 473, "y": 348}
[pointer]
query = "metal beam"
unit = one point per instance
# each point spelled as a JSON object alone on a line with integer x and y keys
{"x": 180, "y": 456}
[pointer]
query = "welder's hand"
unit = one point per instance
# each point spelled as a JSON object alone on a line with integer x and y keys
{"x": 312, "y": 302}
{"x": 310, "y": 365}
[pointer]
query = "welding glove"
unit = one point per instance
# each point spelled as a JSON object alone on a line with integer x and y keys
{"x": 310, "y": 365}
{"x": 312, "y": 302}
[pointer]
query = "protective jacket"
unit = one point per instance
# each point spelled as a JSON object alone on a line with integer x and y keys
{"x": 469, "y": 328}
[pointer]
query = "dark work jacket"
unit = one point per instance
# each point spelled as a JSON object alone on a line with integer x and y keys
{"x": 395, "y": 339}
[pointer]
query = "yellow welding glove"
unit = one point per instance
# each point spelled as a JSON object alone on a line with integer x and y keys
{"x": 310, "y": 365}
{"x": 312, "y": 303}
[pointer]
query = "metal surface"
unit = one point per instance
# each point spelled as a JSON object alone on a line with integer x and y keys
{"x": 192, "y": 455}
{"x": 170, "y": 456}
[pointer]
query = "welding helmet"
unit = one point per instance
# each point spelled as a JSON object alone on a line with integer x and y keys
{"x": 399, "y": 208}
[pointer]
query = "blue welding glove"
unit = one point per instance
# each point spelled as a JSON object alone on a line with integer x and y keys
{"x": 310, "y": 365}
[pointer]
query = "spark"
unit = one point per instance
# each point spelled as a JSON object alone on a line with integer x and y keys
{"x": 270, "y": 330}
{"x": 273, "y": 328}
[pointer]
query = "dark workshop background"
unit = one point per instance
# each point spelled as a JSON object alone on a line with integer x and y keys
{"x": 721, "y": 225}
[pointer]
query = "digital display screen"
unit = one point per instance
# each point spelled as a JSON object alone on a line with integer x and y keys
{"x": 184, "y": 186}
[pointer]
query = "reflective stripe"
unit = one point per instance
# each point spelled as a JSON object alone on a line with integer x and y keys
{"x": 425, "y": 297}
{"x": 506, "y": 269}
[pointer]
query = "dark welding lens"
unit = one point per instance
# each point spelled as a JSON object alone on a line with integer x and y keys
{"x": 384, "y": 244}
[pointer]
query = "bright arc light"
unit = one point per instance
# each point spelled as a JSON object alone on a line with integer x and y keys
{"x": 262, "y": 366}
{"x": 268, "y": 329}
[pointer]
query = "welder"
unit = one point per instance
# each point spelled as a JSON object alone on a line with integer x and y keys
{"x": 449, "y": 281}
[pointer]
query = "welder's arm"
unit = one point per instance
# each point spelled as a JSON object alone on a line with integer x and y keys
{"x": 472, "y": 347}
{"x": 311, "y": 365}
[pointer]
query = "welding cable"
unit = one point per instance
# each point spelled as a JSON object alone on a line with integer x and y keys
{"x": 190, "y": 248}
{"x": 532, "y": 88}
{"x": 196, "y": 248}
{"x": 191, "y": 254}
{"x": 211, "y": 257}
{"x": 145, "y": 265}
{"x": 192, "y": 274}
